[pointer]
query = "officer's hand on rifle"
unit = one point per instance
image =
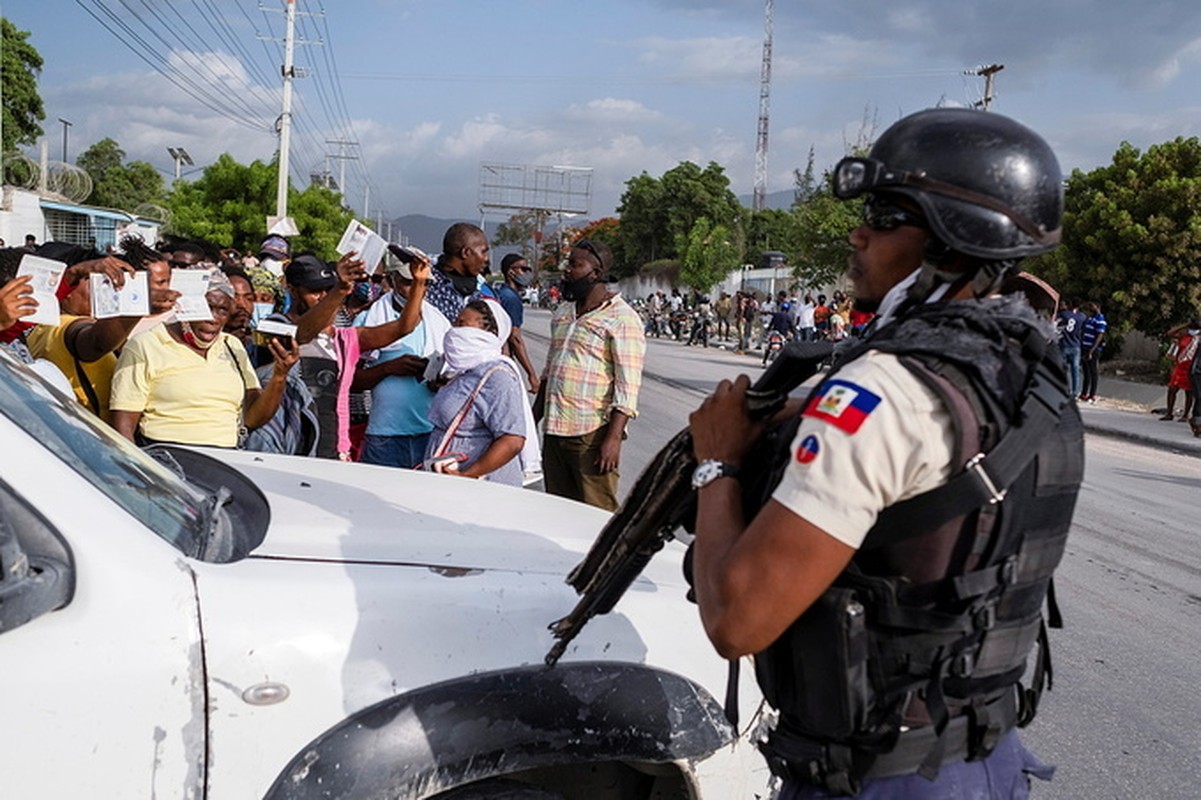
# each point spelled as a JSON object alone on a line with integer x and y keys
{"x": 721, "y": 428}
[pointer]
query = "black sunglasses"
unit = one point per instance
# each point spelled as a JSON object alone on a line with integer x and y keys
{"x": 881, "y": 215}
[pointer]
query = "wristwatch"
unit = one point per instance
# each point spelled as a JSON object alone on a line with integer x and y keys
{"x": 710, "y": 470}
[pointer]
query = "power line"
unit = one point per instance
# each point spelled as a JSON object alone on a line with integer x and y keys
{"x": 162, "y": 66}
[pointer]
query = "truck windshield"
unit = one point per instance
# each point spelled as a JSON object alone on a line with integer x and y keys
{"x": 148, "y": 491}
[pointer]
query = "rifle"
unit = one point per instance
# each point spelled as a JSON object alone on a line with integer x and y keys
{"x": 663, "y": 499}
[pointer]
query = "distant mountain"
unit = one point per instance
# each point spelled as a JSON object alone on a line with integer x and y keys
{"x": 781, "y": 200}
{"x": 426, "y": 232}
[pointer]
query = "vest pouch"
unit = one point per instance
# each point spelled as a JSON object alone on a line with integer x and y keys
{"x": 816, "y": 674}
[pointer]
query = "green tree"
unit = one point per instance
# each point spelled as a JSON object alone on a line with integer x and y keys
{"x": 658, "y": 214}
{"x": 523, "y": 229}
{"x": 116, "y": 184}
{"x": 804, "y": 184}
{"x": 707, "y": 255}
{"x": 1132, "y": 237}
{"x": 771, "y": 229}
{"x": 230, "y": 202}
{"x": 642, "y": 233}
{"x": 823, "y": 225}
{"x": 20, "y": 64}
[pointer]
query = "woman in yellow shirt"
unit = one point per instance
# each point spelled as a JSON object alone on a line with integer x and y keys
{"x": 191, "y": 383}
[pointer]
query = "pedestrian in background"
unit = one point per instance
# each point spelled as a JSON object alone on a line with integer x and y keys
{"x": 1092, "y": 344}
{"x": 518, "y": 276}
{"x": 1070, "y": 323}
{"x": 1185, "y": 339}
{"x": 725, "y": 309}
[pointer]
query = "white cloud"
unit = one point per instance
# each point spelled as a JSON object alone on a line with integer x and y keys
{"x": 702, "y": 59}
{"x": 1169, "y": 70}
{"x": 612, "y": 111}
{"x": 1090, "y": 140}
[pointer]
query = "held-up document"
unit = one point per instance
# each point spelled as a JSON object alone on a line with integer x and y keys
{"x": 131, "y": 300}
{"x": 192, "y": 285}
{"x": 367, "y": 243}
{"x": 46, "y": 274}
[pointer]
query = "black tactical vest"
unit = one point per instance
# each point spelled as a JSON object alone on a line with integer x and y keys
{"x": 914, "y": 656}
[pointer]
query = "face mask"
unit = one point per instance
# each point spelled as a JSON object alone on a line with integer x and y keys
{"x": 190, "y": 337}
{"x": 466, "y": 347}
{"x": 464, "y": 284}
{"x": 261, "y": 312}
{"x": 522, "y": 279}
{"x": 1194, "y": 331}
{"x": 576, "y": 289}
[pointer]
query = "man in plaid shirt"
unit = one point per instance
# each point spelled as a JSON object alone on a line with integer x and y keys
{"x": 590, "y": 389}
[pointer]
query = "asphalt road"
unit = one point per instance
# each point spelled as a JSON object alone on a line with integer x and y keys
{"x": 1121, "y": 721}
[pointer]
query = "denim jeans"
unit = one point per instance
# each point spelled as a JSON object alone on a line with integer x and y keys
{"x": 1071, "y": 360}
{"x": 394, "y": 451}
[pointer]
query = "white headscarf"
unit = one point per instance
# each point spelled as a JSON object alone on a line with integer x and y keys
{"x": 467, "y": 347}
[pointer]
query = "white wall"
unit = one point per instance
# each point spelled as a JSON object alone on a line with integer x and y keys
{"x": 20, "y": 213}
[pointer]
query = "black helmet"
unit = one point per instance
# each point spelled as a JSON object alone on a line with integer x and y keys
{"x": 989, "y": 186}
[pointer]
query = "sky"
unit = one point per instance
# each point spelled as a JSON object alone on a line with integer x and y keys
{"x": 432, "y": 89}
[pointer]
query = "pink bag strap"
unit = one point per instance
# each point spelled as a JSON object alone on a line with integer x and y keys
{"x": 453, "y": 428}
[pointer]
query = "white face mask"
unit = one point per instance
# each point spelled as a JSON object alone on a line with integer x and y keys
{"x": 468, "y": 347}
{"x": 261, "y": 312}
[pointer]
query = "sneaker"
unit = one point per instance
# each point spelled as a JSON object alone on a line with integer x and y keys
{"x": 1083, "y": 398}
{"x": 1092, "y": 398}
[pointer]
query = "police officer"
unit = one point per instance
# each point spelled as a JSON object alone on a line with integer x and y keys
{"x": 890, "y": 570}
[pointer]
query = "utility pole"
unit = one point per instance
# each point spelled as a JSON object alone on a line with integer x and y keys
{"x": 342, "y": 159}
{"x": 759, "y": 199}
{"x": 66, "y": 125}
{"x": 987, "y": 73}
{"x": 285, "y": 116}
{"x": 289, "y": 71}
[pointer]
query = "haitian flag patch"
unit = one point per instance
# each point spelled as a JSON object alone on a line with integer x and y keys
{"x": 843, "y": 404}
{"x": 808, "y": 449}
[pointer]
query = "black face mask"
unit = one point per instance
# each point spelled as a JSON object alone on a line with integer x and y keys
{"x": 465, "y": 285}
{"x": 576, "y": 289}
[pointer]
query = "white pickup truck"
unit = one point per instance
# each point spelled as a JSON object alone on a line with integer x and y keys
{"x": 220, "y": 624}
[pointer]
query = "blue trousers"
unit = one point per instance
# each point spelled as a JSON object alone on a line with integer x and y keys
{"x": 1004, "y": 775}
{"x": 394, "y": 451}
{"x": 1071, "y": 360}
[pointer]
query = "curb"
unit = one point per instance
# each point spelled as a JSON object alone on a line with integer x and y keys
{"x": 1185, "y": 448}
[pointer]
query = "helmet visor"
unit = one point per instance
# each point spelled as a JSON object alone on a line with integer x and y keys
{"x": 853, "y": 176}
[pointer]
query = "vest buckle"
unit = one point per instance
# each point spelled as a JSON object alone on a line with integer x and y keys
{"x": 985, "y": 618}
{"x": 976, "y": 465}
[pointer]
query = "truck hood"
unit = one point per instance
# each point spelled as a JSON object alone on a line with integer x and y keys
{"x": 337, "y": 512}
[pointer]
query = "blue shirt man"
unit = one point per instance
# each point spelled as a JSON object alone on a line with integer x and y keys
{"x": 518, "y": 277}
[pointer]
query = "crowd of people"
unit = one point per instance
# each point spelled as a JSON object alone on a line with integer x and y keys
{"x": 753, "y": 320}
{"x": 409, "y": 363}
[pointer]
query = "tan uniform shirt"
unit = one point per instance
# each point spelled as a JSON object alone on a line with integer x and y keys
{"x": 873, "y": 436}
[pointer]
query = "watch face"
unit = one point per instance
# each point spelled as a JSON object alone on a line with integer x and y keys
{"x": 706, "y": 473}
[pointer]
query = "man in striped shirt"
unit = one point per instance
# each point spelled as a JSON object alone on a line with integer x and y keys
{"x": 1092, "y": 342}
{"x": 590, "y": 388}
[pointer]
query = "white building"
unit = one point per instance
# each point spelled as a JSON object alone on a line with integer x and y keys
{"x": 51, "y": 219}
